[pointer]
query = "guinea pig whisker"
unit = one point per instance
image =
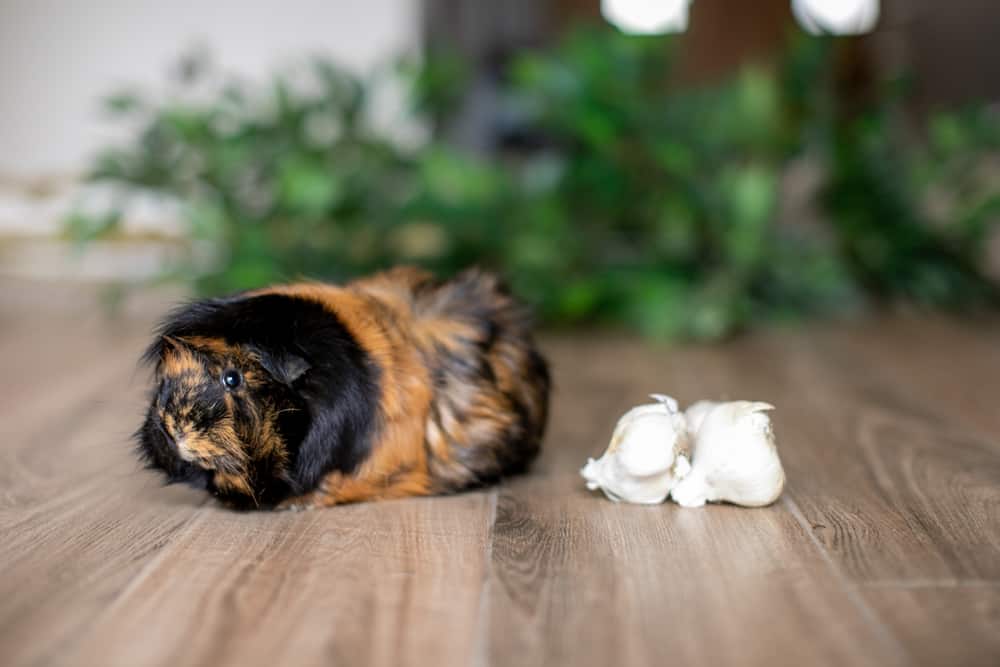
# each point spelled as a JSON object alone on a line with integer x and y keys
{"x": 163, "y": 430}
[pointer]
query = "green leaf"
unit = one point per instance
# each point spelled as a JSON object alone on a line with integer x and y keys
{"x": 750, "y": 194}
{"x": 456, "y": 180}
{"x": 308, "y": 186}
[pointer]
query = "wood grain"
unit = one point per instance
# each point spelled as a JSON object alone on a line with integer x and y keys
{"x": 943, "y": 623}
{"x": 372, "y": 584}
{"x": 578, "y": 580}
{"x": 884, "y": 550}
{"x": 881, "y": 481}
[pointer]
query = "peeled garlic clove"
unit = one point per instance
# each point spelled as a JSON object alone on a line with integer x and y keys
{"x": 646, "y": 455}
{"x": 734, "y": 458}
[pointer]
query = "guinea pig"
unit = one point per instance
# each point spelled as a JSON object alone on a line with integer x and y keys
{"x": 310, "y": 394}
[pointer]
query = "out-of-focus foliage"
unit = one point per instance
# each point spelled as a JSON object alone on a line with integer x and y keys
{"x": 666, "y": 197}
{"x": 651, "y": 203}
{"x": 913, "y": 217}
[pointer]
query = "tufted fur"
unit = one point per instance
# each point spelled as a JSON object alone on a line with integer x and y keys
{"x": 395, "y": 385}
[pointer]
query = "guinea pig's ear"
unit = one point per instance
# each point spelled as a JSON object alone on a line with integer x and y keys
{"x": 175, "y": 344}
{"x": 284, "y": 367}
{"x": 154, "y": 353}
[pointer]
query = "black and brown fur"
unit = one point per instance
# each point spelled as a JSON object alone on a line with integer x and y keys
{"x": 391, "y": 386}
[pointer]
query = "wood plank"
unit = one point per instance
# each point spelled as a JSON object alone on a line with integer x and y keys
{"x": 582, "y": 581}
{"x": 53, "y": 434}
{"x": 937, "y": 367}
{"x": 575, "y": 579}
{"x": 943, "y": 623}
{"x": 50, "y": 333}
{"x": 78, "y": 519}
{"x": 904, "y": 491}
{"x": 81, "y": 555}
{"x": 878, "y": 485}
{"x": 884, "y": 550}
{"x": 73, "y": 542}
{"x": 918, "y": 437}
{"x": 394, "y": 583}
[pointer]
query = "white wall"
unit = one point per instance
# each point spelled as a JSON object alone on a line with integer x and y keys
{"x": 58, "y": 58}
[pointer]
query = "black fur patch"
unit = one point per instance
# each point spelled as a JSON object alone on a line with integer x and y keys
{"x": 313, "y": 358}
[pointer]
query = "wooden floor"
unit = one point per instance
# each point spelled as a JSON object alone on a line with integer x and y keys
{"x": 884, "y": 550}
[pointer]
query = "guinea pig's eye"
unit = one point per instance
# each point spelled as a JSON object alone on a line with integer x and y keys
{"x": 232, "y": 379}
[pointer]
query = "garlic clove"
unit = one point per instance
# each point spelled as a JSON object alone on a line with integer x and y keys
{"x": 646, "y": 454}
{"x": 668, "y": 402}
{"x": 696, "y": 413}
{"x": 734, "y": 458}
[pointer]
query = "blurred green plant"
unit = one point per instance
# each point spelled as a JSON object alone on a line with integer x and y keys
{"x": 652, "y": 203}
{"x": 667, "y": 195}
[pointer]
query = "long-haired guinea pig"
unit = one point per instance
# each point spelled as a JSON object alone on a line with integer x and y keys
{"x": 312, "y": 394}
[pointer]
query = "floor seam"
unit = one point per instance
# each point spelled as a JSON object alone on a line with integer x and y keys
{"x": 869, "y": 614}
{"x": 918, "y": 584}
{"x": 196, "y": 517}
{"x": 480, "y": 657}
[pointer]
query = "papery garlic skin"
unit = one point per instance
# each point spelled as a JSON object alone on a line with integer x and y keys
{"x": 734, "y": 458}
{"x": 646, "y": 456}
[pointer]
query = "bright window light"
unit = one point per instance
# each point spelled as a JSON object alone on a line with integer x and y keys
{"x": 836, "y": 17}
{"x": 647, "y": 17}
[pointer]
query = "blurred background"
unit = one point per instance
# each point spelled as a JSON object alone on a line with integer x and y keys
{"x": 684, "y": 169}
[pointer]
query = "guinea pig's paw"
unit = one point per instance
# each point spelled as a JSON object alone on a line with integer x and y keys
{"x": 299, "y": 504}
{"x": 290, "y": 507}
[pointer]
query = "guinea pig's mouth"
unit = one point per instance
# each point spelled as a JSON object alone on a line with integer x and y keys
{"x": 184, "y": 450}
{"x": 168, "y": 438}
{"x": 200, "y": 451}
{"x": 182, "y": 447}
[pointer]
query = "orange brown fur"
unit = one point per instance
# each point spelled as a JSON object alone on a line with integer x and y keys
{"x": 419, "y": 434}
{"x": 392, "y": 386}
